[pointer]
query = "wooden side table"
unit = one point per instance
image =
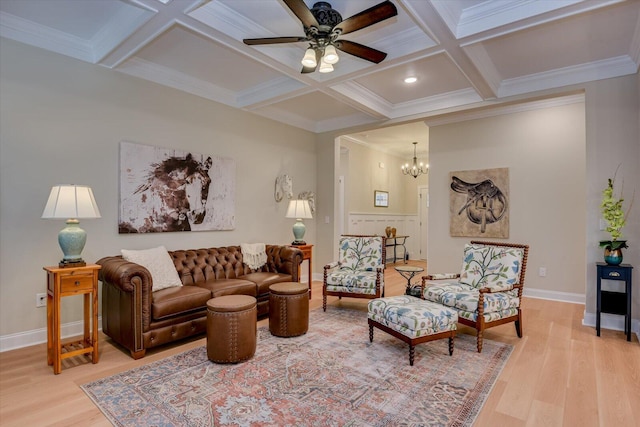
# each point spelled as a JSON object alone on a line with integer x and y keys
{"x": 64, "y": 282}
{"x": 307, "y": 253}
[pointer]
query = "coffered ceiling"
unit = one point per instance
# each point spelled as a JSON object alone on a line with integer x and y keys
{"x": 461, "y": 51}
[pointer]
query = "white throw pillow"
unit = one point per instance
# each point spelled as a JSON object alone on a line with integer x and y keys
{"x": 159, "y": 264}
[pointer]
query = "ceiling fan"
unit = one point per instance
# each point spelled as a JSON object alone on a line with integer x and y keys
{"x": 323, "y": 25}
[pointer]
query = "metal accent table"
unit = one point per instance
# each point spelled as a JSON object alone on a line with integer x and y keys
{"x": 393, "y": 242}
{"x": 408, "y": 272}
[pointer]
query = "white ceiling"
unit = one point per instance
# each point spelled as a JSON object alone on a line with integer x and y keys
{"x": 462, "y": 51}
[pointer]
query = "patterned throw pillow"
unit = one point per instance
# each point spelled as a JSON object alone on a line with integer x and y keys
{"x": 491, "y": 266}
{"x": 160, "y": 266}
{"x": 360, "y": 253}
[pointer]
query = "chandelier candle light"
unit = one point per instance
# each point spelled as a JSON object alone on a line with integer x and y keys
{"x": 299, "y": 209}
{"x": 415, "y": 169}
{"x": 71, "y": 202}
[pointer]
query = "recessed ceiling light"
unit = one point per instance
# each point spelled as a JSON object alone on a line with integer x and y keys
{"x": 411, "y": 79}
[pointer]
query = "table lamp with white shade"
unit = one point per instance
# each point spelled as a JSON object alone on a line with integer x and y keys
{"x": 71, "y": 202}
{"x": 299, "y": 209}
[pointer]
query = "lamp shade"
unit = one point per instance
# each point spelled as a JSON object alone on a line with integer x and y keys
{"x": 299, "y": 209}
{"x": 330, "y": 55}
{"x": 71, "y": 201}
{"x": 325, "y": 67}
{"x": 309, "y": 59}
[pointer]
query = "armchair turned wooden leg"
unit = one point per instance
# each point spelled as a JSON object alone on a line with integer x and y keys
{"x": 518, "y": 328}
{"x": 479, "y": 341}
{"x": 412, "y": 353}
{"x": 370, "y": 333}
{"x": 324, "y": 302}
{"x": 450, "y": 346}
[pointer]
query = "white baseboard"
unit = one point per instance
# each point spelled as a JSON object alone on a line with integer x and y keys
{"x": 39, "y": 336}
{"x": 74, "y": 329}
{"x": 555, "y": 295}
{"x": 607, "y": 320}
{"x": 614, "y": 322}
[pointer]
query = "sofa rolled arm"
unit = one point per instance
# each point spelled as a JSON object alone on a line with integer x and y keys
{"x": 126, "y": 302}
{"x": 284, "y": 259}
{"x": 124, "y": 275}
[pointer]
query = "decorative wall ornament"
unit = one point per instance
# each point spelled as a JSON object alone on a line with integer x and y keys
{"x": 283, "y": 188}
{"x": 478, "y": 203}
{"x": 163, "y": 189}
{"x": 309, "y": 196}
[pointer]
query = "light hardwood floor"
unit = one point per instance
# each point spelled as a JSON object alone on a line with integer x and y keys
{"x": 559, "y": 374}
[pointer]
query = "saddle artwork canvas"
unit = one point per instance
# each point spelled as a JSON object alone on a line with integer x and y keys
{"x": 479, "y": 203}
{"x": 163, "y": 189}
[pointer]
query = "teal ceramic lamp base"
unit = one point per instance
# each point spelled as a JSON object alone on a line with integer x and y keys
{"x": 72, "y": 239}
{"x": 298, "y": 232}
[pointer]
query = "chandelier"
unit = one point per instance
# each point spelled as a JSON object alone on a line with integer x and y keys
{"x": 415, "y": 169}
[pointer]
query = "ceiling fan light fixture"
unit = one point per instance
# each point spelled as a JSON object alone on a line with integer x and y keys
{"x": 330, "y": 55}
{"x": 324, "y": 67}
{"x": 309, "y": 59}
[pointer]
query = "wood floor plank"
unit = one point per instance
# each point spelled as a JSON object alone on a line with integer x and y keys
{"x": 581, "y": 403}
{"x": 544, "y": 414}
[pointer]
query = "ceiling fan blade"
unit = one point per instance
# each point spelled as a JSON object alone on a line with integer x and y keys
{"x": 273, "y": 40}
{"x": 307, "y": 70}
{"x": 373, "y": 15}
{"x": 361, "y": 51}
{"x": 302, "y": 12}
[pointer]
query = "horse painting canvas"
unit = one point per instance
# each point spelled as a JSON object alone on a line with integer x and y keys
{"x": 479, "y": 205}
{"x": 164, "y": 189}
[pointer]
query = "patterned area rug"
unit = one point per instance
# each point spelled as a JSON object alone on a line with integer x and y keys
{"x": 331, "y": 376}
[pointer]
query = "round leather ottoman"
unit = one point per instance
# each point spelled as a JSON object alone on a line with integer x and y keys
{"x": 288, "y": 309}
{"x": 231, "y": 328}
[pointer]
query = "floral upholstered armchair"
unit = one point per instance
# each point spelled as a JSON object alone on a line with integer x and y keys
{"x": 360, "y": 271}
{"x": 488, "y": 290}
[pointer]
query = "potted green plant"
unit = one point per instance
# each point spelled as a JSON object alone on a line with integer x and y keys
{"x": 615, "y": 216}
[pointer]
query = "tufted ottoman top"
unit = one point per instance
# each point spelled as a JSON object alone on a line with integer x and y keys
{"x": 231, "y": 303}
{"x": 288, "y": 288}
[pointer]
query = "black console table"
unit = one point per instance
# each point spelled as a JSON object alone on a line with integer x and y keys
{"x": 395, "y": 242}
{"x": 614, "y": 302}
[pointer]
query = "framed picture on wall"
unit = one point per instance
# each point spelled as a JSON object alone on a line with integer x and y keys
{"x": 479, "y": 203}
{"x": 166, "y": 189}
{"x": 381, "y": 198}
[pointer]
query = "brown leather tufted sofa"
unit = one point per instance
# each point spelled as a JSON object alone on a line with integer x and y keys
{"x": 138, "y": 319}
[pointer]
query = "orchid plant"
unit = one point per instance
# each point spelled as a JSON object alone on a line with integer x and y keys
{"x": 614, "y": 214}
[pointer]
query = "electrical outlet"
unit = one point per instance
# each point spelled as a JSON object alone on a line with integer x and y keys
{"x": 542, "y": 272}
{"x": 603, "y": 224}
{"x": 41, "y": 300}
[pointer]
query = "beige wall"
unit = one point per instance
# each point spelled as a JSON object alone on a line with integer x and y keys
{"x": 364, "y": 175}
{"x": 612, "y": 133}
{"x": 61, "y": 121}
{"x": 544, "y": 151}
{"x": 613, "y": 139}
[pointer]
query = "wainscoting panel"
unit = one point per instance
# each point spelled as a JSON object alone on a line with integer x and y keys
{"x": 405, "y": 225}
